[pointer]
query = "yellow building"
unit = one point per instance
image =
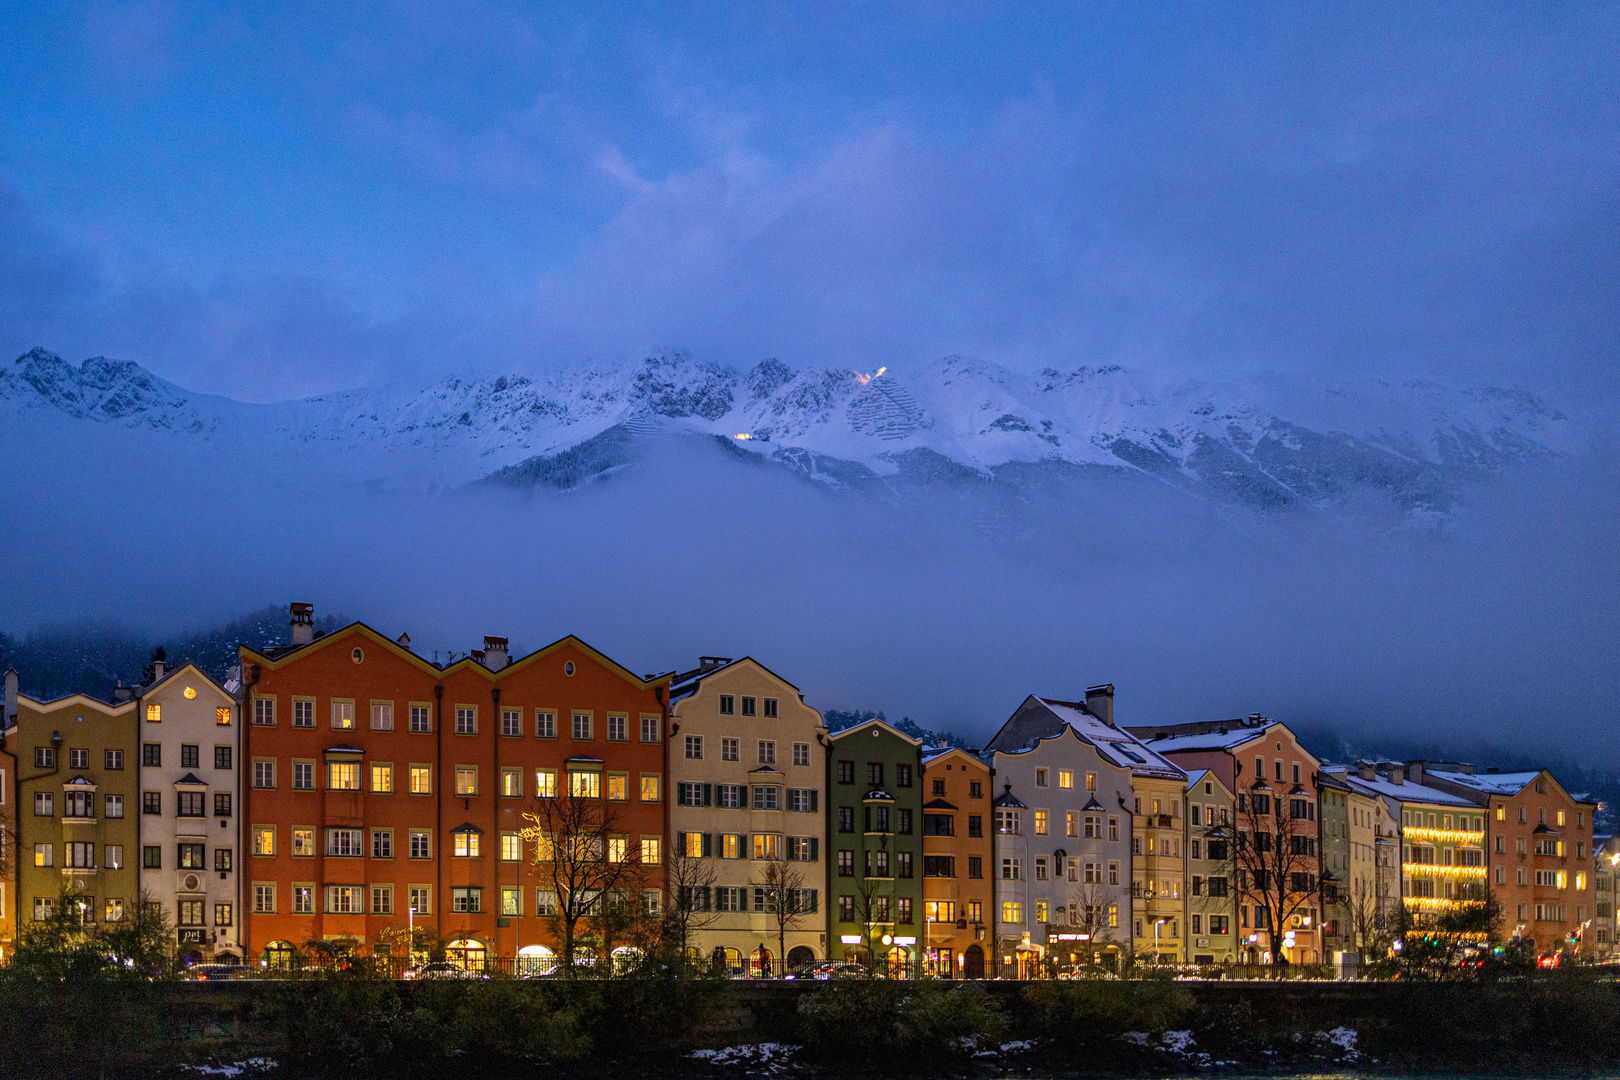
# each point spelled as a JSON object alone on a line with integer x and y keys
{"x": 1158, "y": 865}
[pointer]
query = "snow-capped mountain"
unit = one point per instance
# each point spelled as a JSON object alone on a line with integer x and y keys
{"x": 1268, "y": 441}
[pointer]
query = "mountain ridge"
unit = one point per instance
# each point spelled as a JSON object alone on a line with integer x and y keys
{"x": 1268, "y": 442}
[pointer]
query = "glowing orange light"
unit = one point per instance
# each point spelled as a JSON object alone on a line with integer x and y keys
{"x": 863, "y": 378}
{"x": 190, "y": 693}
{"x": 742, "y": 435}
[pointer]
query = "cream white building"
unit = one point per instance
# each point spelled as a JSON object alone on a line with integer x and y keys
{"x": 748, "y": 772}
{"x": 190, "y": 858}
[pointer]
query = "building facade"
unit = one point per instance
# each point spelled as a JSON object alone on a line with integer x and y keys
{"x": 958, "y": 857}
{"x": 875, "y": 796}
{"x": 1604, "y": 926}
{"x": 10, "y": 850}
{"x": 1063, "y": 768}
{"x": 78, "y": 801}
{"x": 1211, "y": 900}
{"x": 190, "y": 842}
{"x": 1360, "y": 889}
{"x": 1278, "y": 870}
{"x": 748, "y": 771}
{"x": 386, "y": 793}
{"x": 1541, "y": 850}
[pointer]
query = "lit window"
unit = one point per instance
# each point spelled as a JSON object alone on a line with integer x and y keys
{"x": 545, "y": 784}
{"x": 651, "y": 850}
{"x": 616, "y": 848}
{"x": 466, "y": 844}
{"x": 512, "y": 783}
{"x": 382, "y": 777}
{"x": 650, "y": 788}
{"x": 511, "y": 847}
{"x": 1065, "y": 778}
{"x": 1012, "y": 911}
{"x": 154, "y": 713}
{"x": 264, "y": 840}
{"x": 618, "y": 787}
{"x": 222, "y": 716}
{"x": 421, "y": 779}
{"x": 342, "y": 716}
{"x": 343, "y": 775}
{"x": 585, "y": 785}
{"x": 466, "y": 780}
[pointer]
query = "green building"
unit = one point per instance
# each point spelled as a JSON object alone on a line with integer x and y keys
{"x": 78, "y": 797}
{"x": 875, "y": 799}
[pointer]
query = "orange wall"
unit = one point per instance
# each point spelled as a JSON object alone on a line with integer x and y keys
{"x": 326, "y": 669}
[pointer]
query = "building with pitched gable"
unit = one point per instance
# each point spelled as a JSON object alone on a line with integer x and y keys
{"x": 875, "y": 799}
{"x": 748, "y": 773}
{"x": 1211, "y": 900}
{"x": 1540, "y": 849}
{"x": 78, "y": 796}
{"x": 1277, "y": 865}
{"x": 958, "y": 857}
{"x": 386, "y": 791}
{"x": 190, "y": 842}
{"x": 1066, "y": 764}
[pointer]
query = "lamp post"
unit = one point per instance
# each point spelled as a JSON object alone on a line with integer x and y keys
{"x": 1156, "y": 924}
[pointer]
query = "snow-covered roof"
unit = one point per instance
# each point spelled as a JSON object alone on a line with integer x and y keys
{"x": 1195, "y": 777}
{"x": 1407, "y": 792}
{"x": 1490, "y": 783}
{"x": 1115, "y": 744}
{"x": 1210, "y": 740}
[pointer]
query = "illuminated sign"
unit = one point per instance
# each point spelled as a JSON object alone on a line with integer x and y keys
{"x": 850, "y": 939}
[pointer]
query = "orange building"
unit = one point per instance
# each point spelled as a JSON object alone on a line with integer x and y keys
{"x": 377, "y": 782}
{"x": 957, "y": 887}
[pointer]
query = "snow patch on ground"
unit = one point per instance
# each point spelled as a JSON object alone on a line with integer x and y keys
{"x": 235, "y": 1068}
{"x": 748, "y": 1054}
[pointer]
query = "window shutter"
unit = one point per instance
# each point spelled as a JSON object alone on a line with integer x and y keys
{"x": 792, "y": 848}
{"x": 680, "y": 842}
{"x": 708, "y": 794}
{"x": 708, "y": 848}
{"x": 808, "y": 896}
{"x": 813, "y": 802}
{"x": 705, "y": 906}
{"x": 815, "y": 856}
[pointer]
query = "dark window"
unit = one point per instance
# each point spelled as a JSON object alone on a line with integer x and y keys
{"x": 1302, "y": 882}
{"x": 770, "y": 707}
{"x": 191, "y": 857}
{"x": 151, "y": 802}
{"x": 846, "y": 863}
{"x": 846, "y": 909}
{"x": 152, "y": 857}
{"x": 152, "y": 755}
{"x": 874, "y": 774}
{"x": 189, "y": 756}
{"x": 727, "y": 705}
{"x": 222, "y": 804}
{"x": 902, "y": 863}
{"x": 975, "y": 825}
{"x": 902, "y": 776}
{"x": 222, "y": 859}
{"x": 939, "y": 825}
{"x": 78, "y": 759}
{"x": 1217, "y": 853}
{"x": 975, "y": 790}
{"x": 975, "y": 866}
{"x": 939, "y": 787}
{"x": 222, "y": 757}
{"x": 846, "y": 819}
{"x": 903, "y": 823}
{"x": 939, "y": 866}
{"x": 748, "y": 706}
{"x": 190, "y": 804}
{"x": 846, "y": 772}
{"x": 44, "y": 757}
{"x": 114, "y": 759}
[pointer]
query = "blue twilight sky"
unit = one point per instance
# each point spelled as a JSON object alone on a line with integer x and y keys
{"x": 270, "y": 200}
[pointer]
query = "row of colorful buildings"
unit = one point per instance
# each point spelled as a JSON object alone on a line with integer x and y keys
{"x": 345, "y": 789}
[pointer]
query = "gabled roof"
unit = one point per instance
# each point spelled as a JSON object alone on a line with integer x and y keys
{"x": 689, "y": 682}
{"x": 839, "y": 736}
{"x": 106, "y": 708}
{"x": 1115, "y": 744}
{"x": 284, "y": 656}
{"x": 199, "y": 676}
{"x": 1092, "y": 804}
{"x": 939, "y": 804}
{"x": 1489, "y": 783}
{"x": 1212, "y": 740}
{"x": 1007, "y": 798}
{"x": 190, "y": 780}
{"x": 79, "y": 781}
{"x": 1405, "y": 792}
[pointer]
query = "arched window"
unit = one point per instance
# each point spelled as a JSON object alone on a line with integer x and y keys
{"x": 466, "y": 953}
{"x": 535, "y": 960}
{"x": 280, "y": 956}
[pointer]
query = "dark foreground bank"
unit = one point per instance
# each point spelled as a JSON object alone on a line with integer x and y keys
{"x": 336, "y": 1025}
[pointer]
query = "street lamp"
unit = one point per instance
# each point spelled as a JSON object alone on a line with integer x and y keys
{"x": 1156, "y": 924}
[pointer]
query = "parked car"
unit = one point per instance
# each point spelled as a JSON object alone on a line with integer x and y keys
{"x": 828, "y": 969}
{"x": 214, "y": 972}
{"x": 443, "y": 970}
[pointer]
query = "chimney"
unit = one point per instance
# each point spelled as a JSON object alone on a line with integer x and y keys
{"x": 1368, "y": 770}
{"x": 303, "y": 623}
{"x": 404, "y": 639}
{"x": 122, "y": 692}
{"x": 1255, "y": 720}
{"x": 496, "y": 656}
{"x": 707, "y": 664}
{"x": 478, "y": 655}
{"x": 1100, "y": 702}
{"x": 158, "y": 668}
{"x": 1414, "y": 771}
{"x": 1397, "y": 773}
{"x": 10, "y": 718}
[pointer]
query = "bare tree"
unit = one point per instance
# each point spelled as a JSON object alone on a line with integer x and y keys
{"x": 691, "y": 902}
{"x": 1088, "y": 903}
{"x": 579, "y": 850}
{"x": 874, "y": 902}
{"x": 782, "y": 885}
{"x": 1274, "y": 857}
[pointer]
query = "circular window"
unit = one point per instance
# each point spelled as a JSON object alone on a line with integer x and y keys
{"x": 358, "y": 655}
{"x": 190, "y": 692}
{"x": 568, "y": 668}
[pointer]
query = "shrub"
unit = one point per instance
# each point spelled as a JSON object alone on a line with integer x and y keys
{"x": 897, "y": 1022}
